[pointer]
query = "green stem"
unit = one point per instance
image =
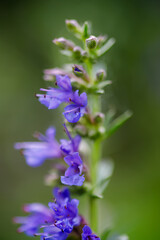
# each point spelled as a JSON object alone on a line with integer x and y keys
{"x": 95, "y": 157}
{"x": 95, "y": 105}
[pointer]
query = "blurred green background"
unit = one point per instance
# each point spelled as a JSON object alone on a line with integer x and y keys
{"x": 132, "y": 200}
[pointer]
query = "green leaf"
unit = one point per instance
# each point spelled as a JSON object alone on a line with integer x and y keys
{"x": 109, "y": 117}
{"x": 67, "y": 53}
{"x": 118, "y": 237}
{"x": 105, "y": 234}
{"x": 105, "y": 47}
{"x": 104, "y": 174}
{"x": 117, "y": 123}
{"x": 104, "y": 84}
{"x": 86, "y": 30}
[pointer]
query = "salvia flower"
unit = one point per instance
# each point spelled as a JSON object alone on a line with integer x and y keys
{"x": 64, "y": 94}
{"x": 70, "y": 146}
{"x": 76, "y": 110}
{"x": 73, "y": 173}
{"x": 57, "y": 221}
{"x": 65, "y": 210}
{"x": 37, "y": 152}
{"x": 55, "y": 96}
{"x": 39, "y": 214}
{"x": 88, "y": 235}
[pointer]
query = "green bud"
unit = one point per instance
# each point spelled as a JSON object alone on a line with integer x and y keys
{"x": 80, "y": 72}
{"x": 73, "y": 26}
{"x": 99, "y": 117}
{"x": 101, "y": 40}
{"x": 77, "y": 52}
{"x": 81, "y": 130}
{"x": 84, "y": 55}
{"x": 91, "y": 42}
{"x": 100, "y": 75}
{"x": 64, "y": 44}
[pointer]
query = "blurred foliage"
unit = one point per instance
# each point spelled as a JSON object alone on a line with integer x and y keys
{"x": 131, "y": 203}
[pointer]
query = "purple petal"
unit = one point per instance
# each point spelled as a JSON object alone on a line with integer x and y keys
{"x": 73, "y": 180}
{"x": 72, "y": 113}
{"x": 64, "y": 82}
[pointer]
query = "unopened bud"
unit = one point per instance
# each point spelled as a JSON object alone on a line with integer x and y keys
{"x": 77, "y": 52}
{"x": 64, "y": 43}
{"x": 99, "y": 117}
{"x": 84, "y": 55}
{"x": 91, "y": 42}
{"x": 100, "y": 76}
{"x": 73, "y": 26}
{"x": 81, "y": 130}
{"x": 80, "y": 72}
{"x": 101, "y": 40}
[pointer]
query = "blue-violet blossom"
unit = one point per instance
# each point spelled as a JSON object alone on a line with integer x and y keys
{"x": 88, "y": 235}
{"x": 39, "y": 214}
{"x": 70, "y": 146}
{"x": 37, "y": 152}
{"x": 55, "y": 96}
{"x": 73, "y": 173}
{"x": 57, "y": 221}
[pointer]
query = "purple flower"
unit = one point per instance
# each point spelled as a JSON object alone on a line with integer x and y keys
{"x": 75, "y": 111}
{"x": 52, "y": 233}
{"x": 66, "y": 216}
{"x": 55, "y": 96}
{"x": 64, "y": 94}
{"x": 73, "y": 173}
{"x": 37, "y": 152}
{"x": 39, "y": 214}
{"x": 65, "y": 210}
{"x": 70, "y": 146}
{"x": 88, "y": 235}
{"x": 57, "y": 221}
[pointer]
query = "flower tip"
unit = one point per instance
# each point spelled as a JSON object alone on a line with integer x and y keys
{"x": 18, "y": 231}
{"x": 25, "y": 208}
{"x": 14, "y": 220}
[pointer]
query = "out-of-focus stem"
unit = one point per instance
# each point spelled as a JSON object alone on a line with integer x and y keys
{"x": 95, "y": 106}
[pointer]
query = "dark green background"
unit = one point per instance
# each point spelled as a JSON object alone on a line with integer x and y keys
{"x": 131, "y": 203}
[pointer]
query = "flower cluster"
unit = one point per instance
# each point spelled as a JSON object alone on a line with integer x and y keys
{"x": 61, "y": 219}
{"x": 37, "y": 152}
{"x": 57, "y": 220}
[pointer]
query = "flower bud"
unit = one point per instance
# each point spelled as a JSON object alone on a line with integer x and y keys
{"x": 84, "y": 55}
{"x": 91, "y": 42}
{"x": 80, "y": 72}
{"x": 64, "y": 43}
{"x": 77, "y": 52}
{"x": 101, "y": 40}
{"x": 99, "y": 117}
{"x": 73, "y": 26}
{"x": 100, "y": 75}
{"x": 81, "y": 130}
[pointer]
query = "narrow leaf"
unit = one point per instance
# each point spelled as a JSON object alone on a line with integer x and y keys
{"x": 105, "y": 234}
{"x": 117, "y": 123}
{"x": 104, "y": 174}
{"x": 104, "y": 84}
{"x": 86, "y": 30}
{"x": 106, "y": 47}
{"x": 118, "y": 237}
